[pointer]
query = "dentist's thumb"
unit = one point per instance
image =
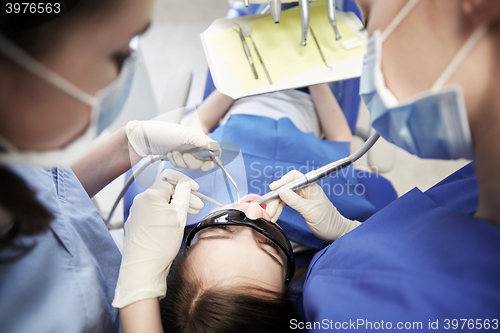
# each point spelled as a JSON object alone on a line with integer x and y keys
{"x": 293, "y": 200}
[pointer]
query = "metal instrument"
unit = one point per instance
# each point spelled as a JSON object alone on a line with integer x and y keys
{"x": 219, "y": 163}
{"x": 333, "y": 18}
{"x": 247, "y": 52}
{"x": 276, "y": 10}
{"x": 208, "y": 155}
{"x": 248, "y": 31}
{"x": 319, "y": 48}
{"x": 195, "y": 193}
{"x": 304, "y": 16}
{"x": 214, "y": 155}
{"x": 323, "y": 172}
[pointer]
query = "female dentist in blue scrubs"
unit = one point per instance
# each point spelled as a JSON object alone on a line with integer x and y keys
{"x": 429, "y": 260}
{"x": 63, "y": 79}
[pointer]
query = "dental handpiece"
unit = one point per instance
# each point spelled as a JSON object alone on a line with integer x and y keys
{"x": 308, "y": 179}
{"x": 323, "y": 172}
{"x": 304, "y": 16}
{"x": 333, "y": 18}
{"x": 276, "y": 10}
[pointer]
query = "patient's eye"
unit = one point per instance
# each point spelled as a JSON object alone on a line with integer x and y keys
{"x": 217, "y": 230}
{"x": 272, "y": 248}
{"x": 224, "y": 227}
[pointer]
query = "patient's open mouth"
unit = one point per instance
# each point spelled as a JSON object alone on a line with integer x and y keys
{"x": 251, "y": 197}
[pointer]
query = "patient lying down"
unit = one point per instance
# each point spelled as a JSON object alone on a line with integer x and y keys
{"x": 230, "y": 278}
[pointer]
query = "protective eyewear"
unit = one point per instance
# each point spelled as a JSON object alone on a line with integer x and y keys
{"x": 233, "y": 217}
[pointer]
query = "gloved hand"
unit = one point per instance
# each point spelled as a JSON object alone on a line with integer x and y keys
{"x": 153, "y": 235}
{"x": 312, "y": 203}
{"x": 153, "y": 137}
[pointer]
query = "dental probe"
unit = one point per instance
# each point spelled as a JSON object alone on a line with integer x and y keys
{"x": 195, "y": 193}
{"x": 248, "y": 33}
{"x": 218, "y": 161}
{"x": 247, "y": 52}
{"x": 319, "y": 48}
{"x": 333, "y": 18}
{"x": 323, "y": 172}
{"x": 304, "y": 17}
{"x": 214, "y": 155}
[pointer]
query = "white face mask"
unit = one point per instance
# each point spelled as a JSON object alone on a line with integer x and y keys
{"x": 105, "y": 108}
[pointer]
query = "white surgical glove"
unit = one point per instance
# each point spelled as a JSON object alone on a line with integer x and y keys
{"x": 154, "y": 137}
{"x": 312, "y": 203}
{"x": 153, "y": 236}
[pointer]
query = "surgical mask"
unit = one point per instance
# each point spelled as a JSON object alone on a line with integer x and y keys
{"x": 431, "y": 124}
{"x": 106, "y": 105}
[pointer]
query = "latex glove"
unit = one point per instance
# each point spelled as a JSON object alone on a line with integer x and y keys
{"x": 153, "y": 236}
{"x": 154, "y": 137}
{"x": 312, "y": 203}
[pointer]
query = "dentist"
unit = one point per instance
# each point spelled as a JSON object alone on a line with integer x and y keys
{"x": 64, "y": 77}
{"x": 430, "y": 259}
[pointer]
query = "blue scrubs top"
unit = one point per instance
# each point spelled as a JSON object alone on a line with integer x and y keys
{"x": 422, "y": 259}
{"x": 67, "y": 282}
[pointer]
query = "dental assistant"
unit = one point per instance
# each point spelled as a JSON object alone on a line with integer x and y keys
{"x": 62, "y": 82}
{"x": 429, "y": 260}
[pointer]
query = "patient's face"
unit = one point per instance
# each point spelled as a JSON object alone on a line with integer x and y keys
{"x": 238, "y": 255}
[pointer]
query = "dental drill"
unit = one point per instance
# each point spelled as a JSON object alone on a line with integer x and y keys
{"x": 314, "y": 176}
{"x": 276, "y": 10}
{"x": 333, "y": 18}
{"x": 304, "y": 17}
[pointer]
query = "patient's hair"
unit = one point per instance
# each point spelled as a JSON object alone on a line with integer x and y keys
{"x": 190, "y": 308}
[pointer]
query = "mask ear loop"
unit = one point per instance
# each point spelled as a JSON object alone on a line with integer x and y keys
{"x": 398, "y": 19}
{"x": 15, "y": 54}
{"x": 460, "y": 57}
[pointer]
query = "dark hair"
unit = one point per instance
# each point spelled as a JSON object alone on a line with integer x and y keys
{"x": 29, "y": 217}
{"x": 40, "y": 33}
{"x": 189, "y": 308}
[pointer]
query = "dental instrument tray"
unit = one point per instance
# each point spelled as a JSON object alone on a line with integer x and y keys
{"x": 289, "y": 64}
